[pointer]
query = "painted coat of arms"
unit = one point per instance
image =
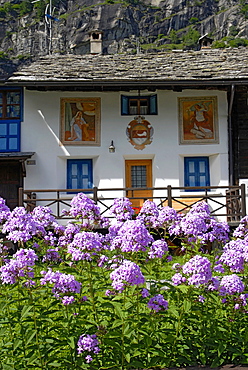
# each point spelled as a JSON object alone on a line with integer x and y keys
{"x": 139, "y": 132}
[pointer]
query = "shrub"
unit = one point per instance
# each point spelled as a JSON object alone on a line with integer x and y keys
{"x": 74, "y": 298}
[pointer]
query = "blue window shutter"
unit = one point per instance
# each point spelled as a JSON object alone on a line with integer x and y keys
{"x": 196, "y": 171}
{"x": 124, "y": 105}
{"x": 153, "y": 104}
{"x": 79, "y": 174}
{"x": 11, "y": 116}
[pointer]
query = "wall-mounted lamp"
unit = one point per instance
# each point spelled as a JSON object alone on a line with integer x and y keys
{"x": 112, "y": 147}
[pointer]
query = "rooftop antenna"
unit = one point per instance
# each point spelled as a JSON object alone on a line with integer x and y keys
{"x": 49, "y": 18}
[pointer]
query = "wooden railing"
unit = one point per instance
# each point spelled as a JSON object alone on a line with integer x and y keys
{"x": 228, "y": 202}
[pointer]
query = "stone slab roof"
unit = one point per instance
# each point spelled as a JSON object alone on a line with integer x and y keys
{"x": 212, "y": 65}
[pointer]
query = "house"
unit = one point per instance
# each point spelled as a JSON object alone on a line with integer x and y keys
{"x": 148, "y": 122}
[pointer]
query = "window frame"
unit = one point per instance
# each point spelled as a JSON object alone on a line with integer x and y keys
{"x": 196, "y": 172}
{"x": 152, "y": 105}
{"x": 70, "y": 162}
{"x": 8, "y": 121}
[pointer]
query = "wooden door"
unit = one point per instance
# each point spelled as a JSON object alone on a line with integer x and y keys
{"x": 139, "y": 175}
{"x": 10, "y": 181}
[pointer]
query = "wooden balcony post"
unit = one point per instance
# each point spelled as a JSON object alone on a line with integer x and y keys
{"x": 20, "y": 197}
{"x": 243, "y": 201}
{"x": 169, "y": 194}
{"x": 95, "y": 194}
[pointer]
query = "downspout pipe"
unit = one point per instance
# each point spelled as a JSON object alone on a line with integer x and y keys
{"x": 230, "y": 136}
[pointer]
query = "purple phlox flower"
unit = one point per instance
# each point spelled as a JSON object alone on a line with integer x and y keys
{"x": 237, "y": 306}
{"x": 219, "y": 268}
{"x": 148, "y": 213}
{"x": 43, "y": 216}
{"x": 128, "y": 273}
{"x": 66, "y": 300}
{"x": 157, "y": 303}
{"x": 198, "y": 269}
{"x": 234, "y": 254}
{"x": 167, "y": 216}
{"x": 88, "y": 343}
{"x": 158, "y": 249}
{"x": 175, "y": 228}
{"x": 242, "y": 230}
{"x": 122, "y": 209}
{"x": 86, "y": 210}
{"x": 21, "y": 226}
{"x": 102, "y": 261}
{"x": 52, "y": 255}
{"x": 176, "y": 266}
{"x": 132, "y": 237}
{"x": 88, "y": 359}
{"x": 4, "y": 211}
{"x": 243, "y": 299}
{"x": 109, "y": 292}
{"x": 199, "y": 225}
{"x": 201, "y": 299}
{"x": 214, "y": 284}
{"x": 145, "y": 293}
{"x": 19, "y": 266}
{"x": 84, "y": 244}
{"x": 70, "y": 230}
{"x": 62, "y": 283}
{"x": 178, "y": 279}
{"x": 50, "y": 238}
{"x": 230, "y": 285}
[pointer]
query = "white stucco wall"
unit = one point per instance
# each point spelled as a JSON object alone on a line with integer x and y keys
{"x": 40, "y": 133}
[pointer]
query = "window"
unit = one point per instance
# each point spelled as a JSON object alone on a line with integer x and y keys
{"x": 196, "y": 171}
{"x": 79, "y": 174}
{"x": 10, "y": 119}
{"x": 138, "y": 105}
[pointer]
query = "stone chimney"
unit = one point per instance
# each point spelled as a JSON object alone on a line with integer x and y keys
{"x": 96, "y": 42}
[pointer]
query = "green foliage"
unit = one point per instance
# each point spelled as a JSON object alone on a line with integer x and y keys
{"x": 190, "y": 39}
{"x": 193, "y": 20}
{"x": 233, "y": 31}
{"x": 244, "y": 9}
{"x": 173, "y": 36}
{"x": 3, "y": 55}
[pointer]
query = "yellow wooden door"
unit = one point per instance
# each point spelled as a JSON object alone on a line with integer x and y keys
{"x": 139, "y": 178}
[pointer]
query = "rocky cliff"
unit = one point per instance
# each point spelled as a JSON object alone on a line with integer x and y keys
{"x": 30, "y": 28}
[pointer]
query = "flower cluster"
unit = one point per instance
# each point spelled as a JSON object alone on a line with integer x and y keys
{"x": 20, "y": 266}
{"x": 167, "y": 216}
{"x": 231, "y": 284}
{"x": 86, "y": 210}
{"x": 132, "y": 237}
{"x": 158, "y": 249}
{"x": 197, "y": 271}
{"x": 148, "y": 213}
{"x": 84, "y": 244}
{"x": 235, "y": 253}
{"x": 242, "y": 230}
{"x": 127, "y": 274}
{"x": 199, "y": 226}
{"x": 88, "y": 343}
{"x": 4, "y": 211}
{"x": 63, "y": 284}
{"x": 157, "y": 303}
{"x": 122, "y": 209}
{"x": 20, "y": 226}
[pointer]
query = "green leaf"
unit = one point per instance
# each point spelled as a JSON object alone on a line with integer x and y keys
{"x": 127, "y": 357}
{"x": 7, "y": 367}
{"x": 71, "y": 342}
{"x": 55, "y": 364}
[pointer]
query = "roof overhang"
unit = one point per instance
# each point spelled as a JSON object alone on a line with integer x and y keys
{"x": 103, "y": 85}
{"x": 16, "y": 156}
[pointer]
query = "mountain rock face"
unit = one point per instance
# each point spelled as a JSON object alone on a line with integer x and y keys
{"x": 128, "y": 25}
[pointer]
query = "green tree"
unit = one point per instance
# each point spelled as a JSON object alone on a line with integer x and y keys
{"x": 190, "y": 39}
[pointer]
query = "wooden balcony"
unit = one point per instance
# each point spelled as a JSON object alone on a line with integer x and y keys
{"x": 227, "y": 203}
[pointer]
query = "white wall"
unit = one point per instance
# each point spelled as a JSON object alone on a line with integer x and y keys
{"x": 40, "y": 133}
